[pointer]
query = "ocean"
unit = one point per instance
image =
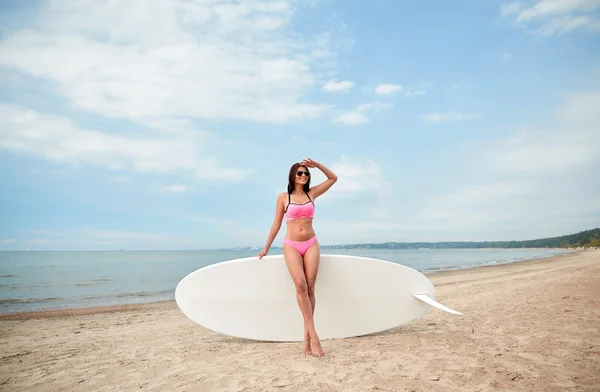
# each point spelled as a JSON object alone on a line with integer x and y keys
{"x": 60, "y": 280}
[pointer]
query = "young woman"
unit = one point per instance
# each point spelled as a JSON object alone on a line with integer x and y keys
{"x": 300, "y": 246}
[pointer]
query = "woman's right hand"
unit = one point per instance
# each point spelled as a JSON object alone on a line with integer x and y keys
{"x": 262, "y": 253}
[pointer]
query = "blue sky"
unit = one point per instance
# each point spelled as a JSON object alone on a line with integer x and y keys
{"x": 170, "y": 124}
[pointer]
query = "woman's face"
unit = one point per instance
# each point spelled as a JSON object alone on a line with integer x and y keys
{"x": 302, "y": 175}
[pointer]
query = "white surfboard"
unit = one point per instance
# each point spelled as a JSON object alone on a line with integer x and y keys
{"x": 256, "y": 299}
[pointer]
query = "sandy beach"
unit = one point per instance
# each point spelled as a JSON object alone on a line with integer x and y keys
{"x": 528, "y": 326}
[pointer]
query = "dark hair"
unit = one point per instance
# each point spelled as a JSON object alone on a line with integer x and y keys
{"x": 292, "y": 176}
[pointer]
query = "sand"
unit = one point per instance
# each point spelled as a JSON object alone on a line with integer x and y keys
{"x": 528, "y": 326}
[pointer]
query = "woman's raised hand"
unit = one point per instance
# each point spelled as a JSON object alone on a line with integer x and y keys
{"x": 309, "y": 163}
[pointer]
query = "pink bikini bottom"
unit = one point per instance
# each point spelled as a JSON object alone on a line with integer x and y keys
{"x": 301, "y": 246}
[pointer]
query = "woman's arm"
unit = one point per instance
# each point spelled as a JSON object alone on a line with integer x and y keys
{"x": 323, "y": 187}
{"x": 279, "y": 212}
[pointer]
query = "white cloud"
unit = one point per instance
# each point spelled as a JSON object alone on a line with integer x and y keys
{"x": 360, "y": 178}
{"x": 549, "y": 8}
{"x": 570, "y": 142}
{"x": 335, "y": 86}
{"x": 358, "y": 115}
{"x": 59, "y": 139}
{"x": 41, "y": 241}
{"x": 50, "y": 233}
{"x": 352, "y": 118}
{"x": 455, "y": 92}
{"x": 100, "y": 237}
{"x": 473, "y": 205}
{"x": 392, "y": 89}
{"x": 535, "y": 182}
{"x": 7, "y": 241}
{"x": 177, "y": 188}
{"x": 511, "y": 8}
{"x": 356, "y": 175}
{"x": 527, "y": 153}
{"x": 103, "y": 238}
{"x": 436, "y": 117}
{"x": 529, "y": 207}
{"x": 555, "y": 17}
{"x": 212, "y": 221}
{"x": 164, "y": 64}
{"x": 544, "y": 170}
{"x": 506, "y": 56}
{"x": 566, "y": 24}
{"x": 581, "y": 109}
{"x": 197, "y": 59}
{"x": 415, "y": 93}
{"x": 387, "y": 89}
{"x": 119, "y": 178}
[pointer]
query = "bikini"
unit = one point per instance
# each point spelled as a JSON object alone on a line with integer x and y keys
{"x": 298, "y": 211}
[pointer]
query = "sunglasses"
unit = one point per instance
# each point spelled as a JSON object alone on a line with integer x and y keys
{"x": 299, "y": 173}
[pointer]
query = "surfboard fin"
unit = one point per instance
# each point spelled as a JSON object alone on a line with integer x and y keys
{"x": 425, "y": 298}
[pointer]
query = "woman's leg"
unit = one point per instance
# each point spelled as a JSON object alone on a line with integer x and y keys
{"x": 295, "y": 266}
{"x": 311, "y": 269}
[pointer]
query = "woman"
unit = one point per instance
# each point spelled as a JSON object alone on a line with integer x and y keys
{"x": 300, "y": 246}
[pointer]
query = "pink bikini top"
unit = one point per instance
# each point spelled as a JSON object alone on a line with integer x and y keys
{"x": 297, "y": 211}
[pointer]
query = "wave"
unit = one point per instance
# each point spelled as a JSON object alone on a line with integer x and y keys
{"x": 128, "y": 295}
{"x": 27, "y": 300}
{"x": 140, "y": 294}
{"x": 454, "y": 267}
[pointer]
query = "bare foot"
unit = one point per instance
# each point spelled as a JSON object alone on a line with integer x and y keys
{"x": 306, "y": 345}
{"x": 315, "y": 345}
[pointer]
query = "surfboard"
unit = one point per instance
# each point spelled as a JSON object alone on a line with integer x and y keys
{"x": 255, "y": 298}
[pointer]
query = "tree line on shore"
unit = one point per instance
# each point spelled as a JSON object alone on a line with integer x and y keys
{"x": 583, "y": 239}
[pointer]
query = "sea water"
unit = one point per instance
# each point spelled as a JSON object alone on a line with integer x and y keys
{"x": 59, "y": 280}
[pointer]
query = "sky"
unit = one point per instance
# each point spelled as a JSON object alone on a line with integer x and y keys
{"x": 172, "y": 124}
